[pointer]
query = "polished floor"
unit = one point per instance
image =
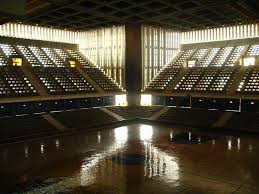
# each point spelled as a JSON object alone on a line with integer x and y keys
{"x": 132, "y": 159}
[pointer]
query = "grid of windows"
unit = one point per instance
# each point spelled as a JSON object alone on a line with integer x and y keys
{"x": 105, "y": 47}
{"x": 159, "y": 46}
{"x": 219, "y": 34}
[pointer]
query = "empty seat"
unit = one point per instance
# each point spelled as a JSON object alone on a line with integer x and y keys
{"x": 205, "y": 81}
{"x": 221, "y": 57}
{"x": 235, "y": 56}
{"x": 41, "y": 56}
{"x": 54, "y": 57}
{"x": 189, "y": 80}
{"x": 209, "y": 58}
{"x": 14, "y": 83}
{"x": 223, "y": 79}
{"x": 253, "y": 50}
{"x": 62, "y": 80}
{"x": 162, "y": 82}
{"x": 95, "y": 73}
{"x": 250, "y": 81}
{"x": 29, "y": 56}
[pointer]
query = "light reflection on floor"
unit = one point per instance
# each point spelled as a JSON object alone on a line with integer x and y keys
{"x": 83, "y": 163}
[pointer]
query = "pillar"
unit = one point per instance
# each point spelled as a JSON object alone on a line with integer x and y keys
{"x": 133, "y": 63}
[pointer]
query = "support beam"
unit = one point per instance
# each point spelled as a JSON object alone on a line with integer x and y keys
{"x": 133, "y": 63}
{"x": 54, "y": 122}
{"x": 159, "y": 113}
{"x": 33, "y": 80}
{"x": 221, "y": 122}
{"x": 89, "y": 79}
{"x": 118, "y": 117}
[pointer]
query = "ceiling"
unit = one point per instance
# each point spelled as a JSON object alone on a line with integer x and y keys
{"x": 180, "y": 15}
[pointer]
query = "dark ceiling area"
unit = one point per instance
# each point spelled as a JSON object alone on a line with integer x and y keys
{"x": 180, "y": 15}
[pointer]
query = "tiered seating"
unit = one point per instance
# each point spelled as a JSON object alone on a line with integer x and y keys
{"x": 189, "y": 80}
{"x": 14, "y": 83}
{"x": 135, "y": 112}
{"x": 54, "y": 57}
{"x": 224, "y": 79}
{"x": 253, "y": 50}
{"x": 3, "y": 62}
{"x": 205, "y": 81}
{"x": 83, "y": 119}
{"x": 235, "y": 56}
{"x": 62, "y": 80}
{"x": 41, "y": 56}
{"x": 184, "y": 55}
{"x": 96, "y": 74}
{"x": 8, "y": 50}
{"x": 221, "y": 57}
{"x": 243, "y": 121}
{"x": 250, "y": 82}
{"x": 193, "y": 117}
{"x": 62, "y": 54}
{"x": 22, "y": 126}
{"x": 31, "y": 59}
{"x": 162, "y": 81}
{"x": 209, "y": 58}
{"x": 199, "y": 54}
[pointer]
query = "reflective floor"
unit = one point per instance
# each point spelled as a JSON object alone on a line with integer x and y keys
{"x": 132, "y": 159}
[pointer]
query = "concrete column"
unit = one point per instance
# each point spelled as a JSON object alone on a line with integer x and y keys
{"x": 133, "y": 77}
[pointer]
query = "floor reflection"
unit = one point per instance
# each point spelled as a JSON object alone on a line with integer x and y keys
{"x": 130, "y": 159}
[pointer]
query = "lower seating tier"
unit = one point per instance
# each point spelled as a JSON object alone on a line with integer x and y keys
{"x": 250, "y": 81}
{"x": 191, "y": 117}
{"x": 102, "y": 80}
{"x": 22, "y": 126}
{"x": 135, "y": 112}
{"x": 14, "y": 83}
{"x": 62, "y": 80}
{"x": 83, "y": 118}
{"x": 197, "y": 79}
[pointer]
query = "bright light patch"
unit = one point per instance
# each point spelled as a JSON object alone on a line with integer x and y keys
{"x": 191, "y": 63}
{"x": 121, "y": 100}
{"x": 146, "y": 132}
{"x": 249, "y": 61}
{"x": 72, "y": 63}
{"x": 17, "y": 61}
{"x": 146, "y": 100}
{"x": 121, "y": 134}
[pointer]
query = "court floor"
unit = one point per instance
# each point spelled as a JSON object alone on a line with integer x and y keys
{"x": 133, "y": 159}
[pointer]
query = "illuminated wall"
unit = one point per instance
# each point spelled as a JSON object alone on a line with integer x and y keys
{"x": 105, "y": 47}
{"x": 159, "y": 46}
{"x": 38, "y": 33}
{"x": 220, "y": 34}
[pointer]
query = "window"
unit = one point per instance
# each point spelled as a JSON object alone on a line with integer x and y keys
{"x": 17, "y": 61}
{"x": 121, "y": 100}
{"x": 191, "y": 63}
{"x": 249, "y": 61}
{"x": 146, "y": 100}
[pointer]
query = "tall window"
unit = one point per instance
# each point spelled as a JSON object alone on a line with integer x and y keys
{"x": 38, "y": 33}
{"x": 220, "y": 34}
{"x": 159, "y": 46}
{"x": 105, "y": 47}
